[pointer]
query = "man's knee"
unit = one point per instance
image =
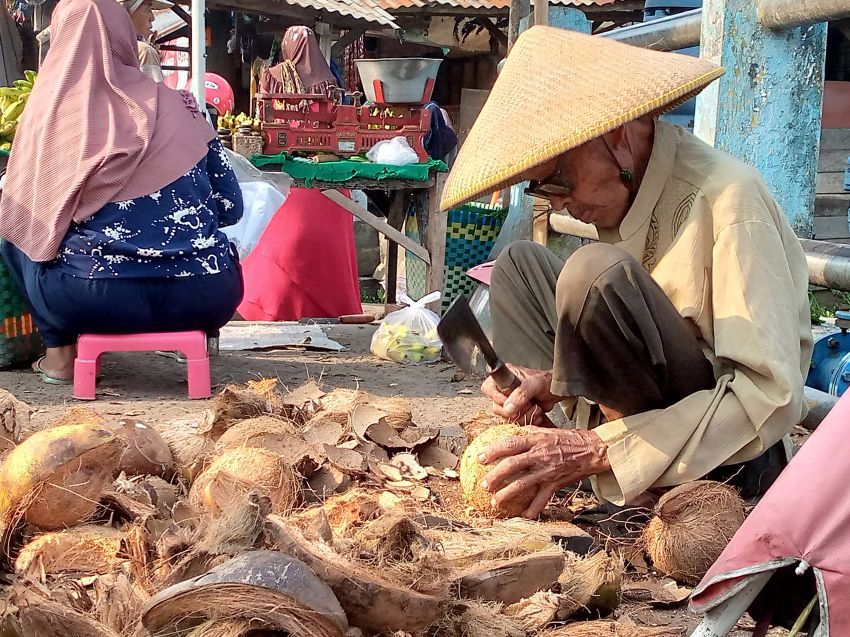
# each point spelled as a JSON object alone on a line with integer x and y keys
{"x": 518, "y": 257}
{"x": 586, "y": 267}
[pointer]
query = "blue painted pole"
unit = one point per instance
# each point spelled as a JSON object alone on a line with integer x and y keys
{"x": 766, "y": 110}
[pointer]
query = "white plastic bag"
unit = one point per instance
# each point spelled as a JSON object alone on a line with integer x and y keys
{"x": 393, "y": 152}
{"x": 410, "y": 335}
{"x": 261, "y": 201}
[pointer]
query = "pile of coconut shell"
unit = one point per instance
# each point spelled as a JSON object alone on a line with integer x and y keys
{"x": 300, "y": 513}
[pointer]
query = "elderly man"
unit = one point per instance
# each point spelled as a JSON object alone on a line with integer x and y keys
{"x": 685, "y": 330}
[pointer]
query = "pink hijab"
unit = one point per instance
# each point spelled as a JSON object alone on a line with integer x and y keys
{"x": 96, "y": 130}
{"x": 301, "y": 47}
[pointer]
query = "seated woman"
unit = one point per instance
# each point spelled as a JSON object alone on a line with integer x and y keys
{"x": 114, "y": 196}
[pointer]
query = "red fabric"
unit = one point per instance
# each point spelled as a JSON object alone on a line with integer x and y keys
{"x": 805, "y": 515}
{"x": 305, "y": 265}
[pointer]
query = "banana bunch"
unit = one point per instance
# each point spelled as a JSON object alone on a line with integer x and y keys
{"x": 13, "y": 99}
{"x": 232, "y": 122}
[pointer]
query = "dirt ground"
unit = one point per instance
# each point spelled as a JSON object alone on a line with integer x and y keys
{"x": 150, "y": 387}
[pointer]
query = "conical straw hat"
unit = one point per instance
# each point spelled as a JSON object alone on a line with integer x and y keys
{"x": 558, "y": 90}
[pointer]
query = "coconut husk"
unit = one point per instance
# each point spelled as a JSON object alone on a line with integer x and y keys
{"x": 472, "y": 472}
{"x": 145, "y": 451}
{"x": 226, "y": 628}
{"x": 118, "y": 603}
{"x": 477, "y": 619}
{"x": 345, "y": 513}
{"x": 237, "y": 529}
{"x": 608, "y": 628}
{"x": 692, "y": 525}
{"x": 40, "y": 617}
{"x": 275, "y": 434}
{"x": 392, "y": 538}
{"x": 338, "y": 404}
{"x": 85, "y": 550}
{"x": 55, "y": 478}
{"x": 504, "y": 539}
{"x": 240, "y": 402}
{"x": 372, "y": 602}
{"x": 592, "y": 584}
{"x": 191, "y": 442}
{"x": 509, "y": 581}
{"x": 233, "y": 474}
{"x": 14, "y": 418}
{"x": 479, "y": 423}
{"x": 325, "y": 482}
{"x": 79, "y": 416}
{"x": 267, "y": 587}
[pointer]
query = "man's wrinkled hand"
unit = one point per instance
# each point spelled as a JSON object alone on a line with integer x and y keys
{"x": 529, "y": 402}
{"x": 541, "y": 463}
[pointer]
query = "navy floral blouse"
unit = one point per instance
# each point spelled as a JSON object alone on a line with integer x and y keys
{"x": 170, "y": 233}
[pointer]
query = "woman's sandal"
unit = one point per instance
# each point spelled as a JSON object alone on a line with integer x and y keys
{"x": 47, "y": 378}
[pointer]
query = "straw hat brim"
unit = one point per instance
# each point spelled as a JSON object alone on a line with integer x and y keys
{"x": 558, "y": 90}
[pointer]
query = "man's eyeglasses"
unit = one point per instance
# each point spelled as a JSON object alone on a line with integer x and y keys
{"x": 553, "y": 186}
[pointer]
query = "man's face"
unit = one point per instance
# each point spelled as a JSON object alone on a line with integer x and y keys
{"x": 143, "y": 20}
{"x": 596, "y": 195}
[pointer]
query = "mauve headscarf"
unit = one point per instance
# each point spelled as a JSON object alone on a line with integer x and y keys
{"x": 95, "y": 130}
{"x": 300, "y": 45}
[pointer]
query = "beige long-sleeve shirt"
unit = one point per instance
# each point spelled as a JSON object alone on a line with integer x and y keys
{"x": 149, "y": 62}
{"x": 710, "y": 233}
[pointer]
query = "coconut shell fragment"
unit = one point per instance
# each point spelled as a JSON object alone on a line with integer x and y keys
{"x": 472, "y": 472}
{"x": 41, "y": 617}
{"x": 274, "y": 590}
{"x": 85, "y": 550}
{"x": 54, "y": 479}
{"x": 234, "y": 473}
{"x": 508, "y": 581}
{"x": 692, "y": 525}
{"x": 372, "y": 603}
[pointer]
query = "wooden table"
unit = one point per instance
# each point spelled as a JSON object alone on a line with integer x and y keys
{"x": 433, "y": 236}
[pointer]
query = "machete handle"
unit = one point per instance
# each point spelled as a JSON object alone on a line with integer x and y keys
{"x": 507, "y": 381}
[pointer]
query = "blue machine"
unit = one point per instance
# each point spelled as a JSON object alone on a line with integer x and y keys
{"x": 830, "y": 369}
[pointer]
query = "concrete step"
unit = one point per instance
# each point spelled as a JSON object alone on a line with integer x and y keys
{"x": 835, "y": 138}
{"x": 831, "y": 183}
{"x": 832, "y": 205}
{"x": 831, "y": 228}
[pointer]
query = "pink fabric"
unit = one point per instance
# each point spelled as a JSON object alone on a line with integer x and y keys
{"x": 305, "y": 265}
{"x": 805, "y": 515}
{"x": 300, "y": 45}
{"x": 96, "y": 130}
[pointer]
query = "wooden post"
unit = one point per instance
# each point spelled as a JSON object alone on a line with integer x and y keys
{"x": 766, "y": 109}
{"x": 519, "y": 9}
{"x": 395, "y": 218}
{"x": 541, "y": 12}
{"x": 435, "y": 240}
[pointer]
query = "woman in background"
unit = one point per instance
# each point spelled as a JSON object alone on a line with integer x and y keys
{"x": 305, "y": 264}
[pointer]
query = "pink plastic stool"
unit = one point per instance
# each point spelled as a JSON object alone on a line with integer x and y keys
{"x": 192, "y": 344}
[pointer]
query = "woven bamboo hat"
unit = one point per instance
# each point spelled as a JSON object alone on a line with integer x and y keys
{"x": 558, "y": 90}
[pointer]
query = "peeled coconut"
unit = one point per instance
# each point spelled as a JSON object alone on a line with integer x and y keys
{"x": 54, "y": 479}
{"x": 89, "y": 550}
{"x": 692, "y": 525}
{"x": 234, "y": 473}
{"x": 472, "y": 472}
{"x": 145, "y": 451}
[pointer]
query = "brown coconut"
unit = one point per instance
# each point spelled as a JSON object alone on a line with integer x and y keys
{"x": 275, "y": 434}
{"x": 339, "y": 403}
{"x": 145, "y": 450}
{"x": 234, "y": 473}
{"x": 54, "y": 479}
{"x": 89, "y": 550}
{"x": 472, "y": 472}
{"x": 191, "y": 444}
{"x": 692, "y": 525}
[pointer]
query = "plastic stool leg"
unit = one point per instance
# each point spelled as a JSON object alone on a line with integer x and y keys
{"x": 199, "y": 378}
{"x": 85, "y": 379}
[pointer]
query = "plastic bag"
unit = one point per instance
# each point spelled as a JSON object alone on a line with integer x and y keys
{"x": 261, "y": 201}
{"x": 393, "y": 152}
{"x": 409, "y": 335}
{"x": 246, "y": 172}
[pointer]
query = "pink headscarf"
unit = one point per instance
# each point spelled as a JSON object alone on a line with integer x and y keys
{"x": 96, "y": 130}
{"x": 301, "y": 47}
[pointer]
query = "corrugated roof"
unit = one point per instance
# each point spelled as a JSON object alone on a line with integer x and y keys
{"x": 391, "y": 5}
{"x": 366, "y": 10}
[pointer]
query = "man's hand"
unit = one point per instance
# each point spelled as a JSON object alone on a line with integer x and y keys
{"x": 527, "y": 403}
{"x": 542, "y": 462}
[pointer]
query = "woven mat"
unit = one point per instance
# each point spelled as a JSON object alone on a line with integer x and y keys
{"x": 342, "y": 171}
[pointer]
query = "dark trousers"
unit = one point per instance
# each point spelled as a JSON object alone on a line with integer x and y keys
{"x": 609, "y": 334}
{"x": 65, "y": 306}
